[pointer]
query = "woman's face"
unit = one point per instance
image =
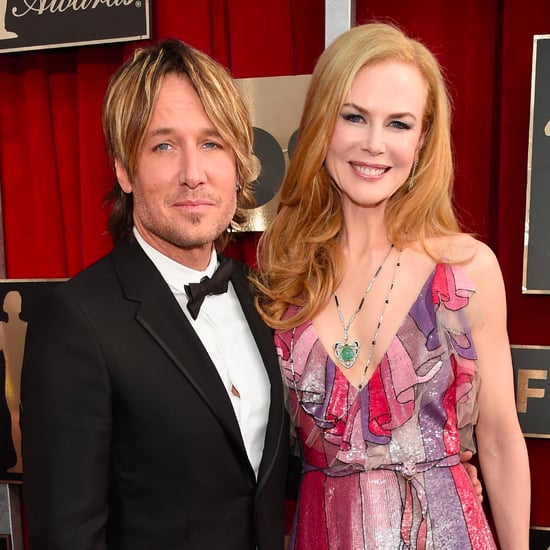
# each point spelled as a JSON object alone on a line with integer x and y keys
{"x": 378, "y": 133}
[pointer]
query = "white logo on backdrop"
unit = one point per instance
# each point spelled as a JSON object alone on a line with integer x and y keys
{"x": 4, "y": 33}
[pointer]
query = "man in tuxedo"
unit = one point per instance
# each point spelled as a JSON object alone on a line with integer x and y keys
{"x": 152, "y": 408}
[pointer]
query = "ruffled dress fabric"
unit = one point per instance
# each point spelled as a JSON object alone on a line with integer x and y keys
{"x": 381, "y": 468}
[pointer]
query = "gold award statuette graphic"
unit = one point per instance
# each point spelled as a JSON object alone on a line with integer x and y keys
{"x": 12, "y": 342}
{"x": 17, "y": 297}
{"x": 275, "y": 105}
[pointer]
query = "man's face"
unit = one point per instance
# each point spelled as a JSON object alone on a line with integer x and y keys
{"x": 184, "y": 184}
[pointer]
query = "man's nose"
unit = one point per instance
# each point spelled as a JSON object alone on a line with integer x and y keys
{"x": 192, "y": 171}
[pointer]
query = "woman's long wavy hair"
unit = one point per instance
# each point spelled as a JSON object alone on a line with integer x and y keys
{"x": 299, "y": 257}
{"x": 128, "y": 106}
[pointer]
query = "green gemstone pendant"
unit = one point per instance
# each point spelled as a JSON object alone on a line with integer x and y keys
{"x": 346, "y": 353}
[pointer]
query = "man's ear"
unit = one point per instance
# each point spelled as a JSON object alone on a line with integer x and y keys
{"x": 122, "y": 177}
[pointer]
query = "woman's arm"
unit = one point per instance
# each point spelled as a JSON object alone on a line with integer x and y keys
{"x": 502, "y": 450}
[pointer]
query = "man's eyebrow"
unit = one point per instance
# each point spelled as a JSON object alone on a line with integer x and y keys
{"x": 167, "y": 130}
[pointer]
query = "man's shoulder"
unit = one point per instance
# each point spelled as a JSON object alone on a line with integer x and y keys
{"x": 127, "y": 255}
{"x": 85, "y": 291}
{"x": 98, "y": 271}
{"x": 238, "y": 265}
{"x": 99, "y": 279}
{"x": 241, "y": 275}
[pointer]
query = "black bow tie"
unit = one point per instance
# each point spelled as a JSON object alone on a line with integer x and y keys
{"x": 217, "y": 284}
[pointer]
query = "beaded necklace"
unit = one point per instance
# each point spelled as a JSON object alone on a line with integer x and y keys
{"x": 379, "y": 324}
{"x": 309, "y": 409}
{"x": 346, "y": 352}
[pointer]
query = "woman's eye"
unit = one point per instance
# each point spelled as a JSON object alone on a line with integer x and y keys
{"x": 352, "y": 117}
{"x": 400, "y": 125}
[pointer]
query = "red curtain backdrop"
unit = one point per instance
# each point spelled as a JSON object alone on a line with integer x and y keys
{"x": 54, "y": 172}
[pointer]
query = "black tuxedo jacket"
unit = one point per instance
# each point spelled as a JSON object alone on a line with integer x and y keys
{"x": 130, "y": 441}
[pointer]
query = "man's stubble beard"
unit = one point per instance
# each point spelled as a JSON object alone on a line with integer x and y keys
{"x": 176, "y": 235}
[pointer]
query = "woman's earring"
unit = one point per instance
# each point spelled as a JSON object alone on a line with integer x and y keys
{"x": 239, "y": 187}
{"x": 413, "y": 172}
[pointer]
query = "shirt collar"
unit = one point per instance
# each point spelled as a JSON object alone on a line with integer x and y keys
{"x": 175, "y": 274}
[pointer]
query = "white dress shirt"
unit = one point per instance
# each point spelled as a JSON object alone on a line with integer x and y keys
{"x": 224, "y": 332}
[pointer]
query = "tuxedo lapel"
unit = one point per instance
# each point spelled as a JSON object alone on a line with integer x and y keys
{"x": 264, "y": 340}
{"x": 161, "y": 316}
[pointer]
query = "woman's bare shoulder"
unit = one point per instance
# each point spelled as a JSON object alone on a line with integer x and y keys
{"x": 461, "y": 249}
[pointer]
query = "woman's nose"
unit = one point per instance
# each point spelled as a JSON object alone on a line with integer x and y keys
{"x": 373, "y": 141}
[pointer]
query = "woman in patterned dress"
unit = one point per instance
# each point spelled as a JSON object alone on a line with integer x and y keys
{"x": 390, "y": 321}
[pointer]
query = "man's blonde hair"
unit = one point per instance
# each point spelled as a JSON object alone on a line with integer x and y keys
{"x": 128, "y": 106}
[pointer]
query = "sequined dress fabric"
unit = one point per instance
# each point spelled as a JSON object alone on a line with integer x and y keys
{"x": 380, "y": 466}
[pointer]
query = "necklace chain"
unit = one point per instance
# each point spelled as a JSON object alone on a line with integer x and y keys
{"x": 346, "y": 352}
{"x": 379, "y": 324}
{"x": 309, "y": 410}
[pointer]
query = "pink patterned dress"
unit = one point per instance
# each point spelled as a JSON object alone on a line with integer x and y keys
{"x": 380, "y": 466}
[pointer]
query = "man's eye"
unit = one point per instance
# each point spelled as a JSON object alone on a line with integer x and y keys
{"x": 163, "y": 147}
{"x": 211, "y": 145}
